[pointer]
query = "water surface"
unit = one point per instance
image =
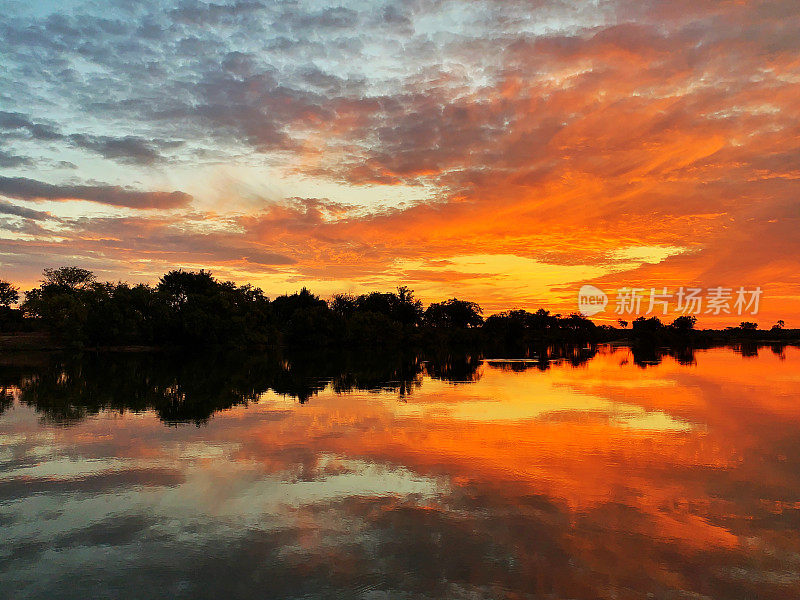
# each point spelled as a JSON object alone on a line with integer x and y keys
{"x": 588, "y": 474}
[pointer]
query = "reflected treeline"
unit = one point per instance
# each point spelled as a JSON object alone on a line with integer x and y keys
{"x": 544, "y": 357}
{"x": 16, "y": 368}
{"x": 6, "y": 399}
{"x": 642, "y": 355}
{"x": 455, "y": 368}
{"x": 68, "y": 390}
{"x": 190, "y": 388}
{"x": 183, "y": 388}
{"x": 751, "y": 349}
{"x": 779, "y": 350}
{"x": 645, "y": 355}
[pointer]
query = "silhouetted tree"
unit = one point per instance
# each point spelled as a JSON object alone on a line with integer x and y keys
{"x": 61, "y": 302}
{"x": 409, "y": 308}
{"x": 179, "y": 286}
{"x": 344, "y": 305}
{"x": 684, "y": 323}
{"x": 73, "y": 278}
{"x": 8, "y": 294}
{"x": 649, "y": 326}
{"x": 286, "y": 306}
{"x": 185, "y": 308}
{"x": 191, "y": 308}
{"x": 454, "y": 313}
{"x": 580, "y": 326}
{"x": 304, "y": 319}
{"x": 10, "y": 319}
{"x": 520, "y": 330}
{"x": 401, "y": 307}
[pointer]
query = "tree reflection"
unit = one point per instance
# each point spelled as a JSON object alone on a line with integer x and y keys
{"x": 455, "y": 368}
{"x": 6, "y": 399}
{"x": 545, "y": 357}
{"x": 779, "y": 350}
{"x": 177, "y": 389}
{"x": 746, "y": 349}
{"x": 190, "y": 388}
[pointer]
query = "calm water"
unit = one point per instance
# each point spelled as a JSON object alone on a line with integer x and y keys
{"x": 597, "y": 475}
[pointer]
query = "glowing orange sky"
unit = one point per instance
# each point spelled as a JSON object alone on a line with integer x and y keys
{"x": 501, "y": 151}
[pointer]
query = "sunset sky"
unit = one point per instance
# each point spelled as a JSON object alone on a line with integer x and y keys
{"x": 503, "y": 151}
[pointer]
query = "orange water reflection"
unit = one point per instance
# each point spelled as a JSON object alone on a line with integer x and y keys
{"x": 606, "y": 480}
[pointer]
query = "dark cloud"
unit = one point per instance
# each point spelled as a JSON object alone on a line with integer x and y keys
{"x": 29, "y": 189}
{"x": 391, "y": 14}
{"x": 8, "y": 159}
{"x": 212, "y": 14}
{"x": 8, "y": 208}
{"x": 26, "y": 227}
{"x": 127, "y": 149}
{"x": 337, "y": 17}
{"x": 14, "y": 121}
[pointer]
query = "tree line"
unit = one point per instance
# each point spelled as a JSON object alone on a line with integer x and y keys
{"x": 193, "y": 308}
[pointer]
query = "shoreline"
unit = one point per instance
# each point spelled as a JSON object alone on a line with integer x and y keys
{"x": 43, "y": 342}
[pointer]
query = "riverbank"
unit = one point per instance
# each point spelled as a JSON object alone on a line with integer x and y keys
{"x": 427, "y": 339}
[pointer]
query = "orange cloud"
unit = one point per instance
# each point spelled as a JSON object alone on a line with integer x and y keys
{"x": 673, "y": 128}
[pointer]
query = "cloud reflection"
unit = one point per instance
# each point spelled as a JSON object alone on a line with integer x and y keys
{"x": 586, "y": 487}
